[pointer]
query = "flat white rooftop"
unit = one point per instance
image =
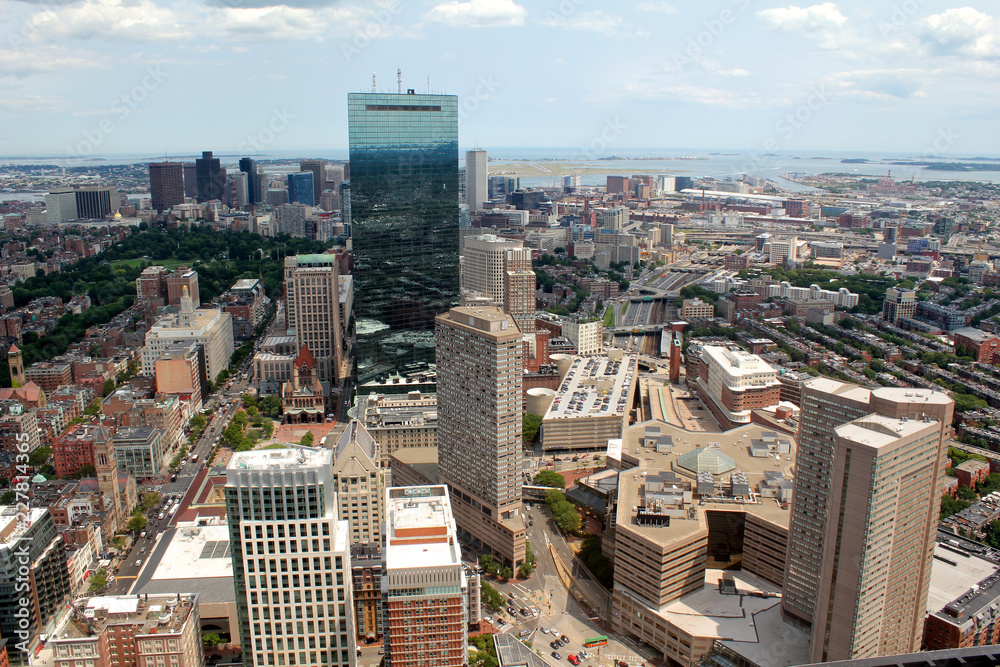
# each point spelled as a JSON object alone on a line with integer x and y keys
{"x": 709, "y": 613}
{"x": 879, "y": 431}
{"x": 596, "y": 386}
{"x": 199, "y": 552}
{"x": 277, "y": 459}
{"x": 8, "y": 520}
{"x": 952, "y": 574}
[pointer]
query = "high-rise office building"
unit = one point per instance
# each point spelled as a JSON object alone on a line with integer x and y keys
{"x": 312, "y": 308}
{"x": 899, "y": 304}
{"x": 81, "y": 202}
{"x": 425, "y": 616}
{"x": 500, "y": 270}
{"x": 210, "y": 178}
{"x": 300, "y": 188}
{"x": 476, "y": 179}
{"x": 166, "y": 185}
{"x": 291, "y": 559}
{"x": 404, "y": 210}
{"x": 479, "y": 377}
{"x": 864, "y": 516}
{"x": 360, "y": 483}
{"x": 249, "y": 167}
{"x": 316, "y": 168}
{"x": 238, "y": 186}
{"x": 190, "y": 180}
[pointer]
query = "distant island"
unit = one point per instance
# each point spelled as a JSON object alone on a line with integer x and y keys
{"x": 951, "y": 166}
{"x": 855, "y": 160}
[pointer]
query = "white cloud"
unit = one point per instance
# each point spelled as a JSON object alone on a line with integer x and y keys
{"x": 592, "y": 21}
{"x": 33, "y": 103}
{"x": 962, "y": 31}
{"x": 880, "y": 84}
{"x": 478, "y": 14}
{"x": 795, "y": 19}
{"x": 145, "y": 21}
{"x": 662, "y": 7}
{"x": 22, "y": 62}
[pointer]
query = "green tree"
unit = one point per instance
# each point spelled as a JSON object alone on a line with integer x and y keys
{"x": 525, "y": 570}
{"x": 529, "y": 426}
{"x": 491, "y": 598}
{"x": 549, "y": 478}
{"x": 8, "y": 497}
{"x": 109, "y": 387}
{"x": 307, "y": 439}
{"x": 951, "y": 506}
{"x": 211, "y": 639}
{"x": 150, "y": 500}
{"x": 270, "y": 406}
{"x": 136, "y": 523}
{"x": 98, "y": 580}
{"x": 965, "y": 493}
{"x": 249, "y": 400}
{"x": 489, "y": 564}
{"x": 506, "y": 573}
{"x": 39, "y": 457}
{"x": 119, "y": 542}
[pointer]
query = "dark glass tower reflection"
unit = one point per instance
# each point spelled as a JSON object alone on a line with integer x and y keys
{"x": 404, "y": 210}
{"x": 300, "y": 188}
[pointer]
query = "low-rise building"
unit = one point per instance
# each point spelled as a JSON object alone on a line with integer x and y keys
{"x": 398, "y": 421}
{"x": 593, "y": 402}
{"x": 982, "y": 346}
{"x": 732, "y": 383}
{"x": 694, "y": 309}
{"x": 140, "y": 451}
{"x": 130, "y": 631}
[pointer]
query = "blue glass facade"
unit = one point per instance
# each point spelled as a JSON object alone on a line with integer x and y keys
{"x": 300, "y": 188}
{"x": 404, "y": 210}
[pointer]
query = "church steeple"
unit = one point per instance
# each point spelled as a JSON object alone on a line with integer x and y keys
{"x": 16, "y": 364}
{"x": 107, "y": 471}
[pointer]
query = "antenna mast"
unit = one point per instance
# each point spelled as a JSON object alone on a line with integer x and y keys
{"x": 399, "y": 81}
{"x": 373, "y": 82}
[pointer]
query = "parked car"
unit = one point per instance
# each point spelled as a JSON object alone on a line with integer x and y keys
{"x": 564, "y": 639}
{"x": 556, "y": 655}
{"x": 573, "y": 659}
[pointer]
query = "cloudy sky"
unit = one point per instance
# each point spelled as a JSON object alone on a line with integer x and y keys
{"x": 138, "y": 76}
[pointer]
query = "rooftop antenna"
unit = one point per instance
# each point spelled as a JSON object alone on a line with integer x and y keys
{"x": 399, "y": 81}
{"x": 428, "y": 84}
{"x": 373, "y": 82}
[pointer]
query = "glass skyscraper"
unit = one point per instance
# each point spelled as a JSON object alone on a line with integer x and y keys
{"x": 300, "y": 188}
{"x": 404, "y": 209}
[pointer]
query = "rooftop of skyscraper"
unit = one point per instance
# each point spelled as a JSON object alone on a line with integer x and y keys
{"x": 421, "y": 528}
{"x": 280, "y": 459}
{"x": 879, "y": 431}
{"x": 14, "y": 524}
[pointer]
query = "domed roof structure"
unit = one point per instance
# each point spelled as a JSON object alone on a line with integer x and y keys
{"x": 706, "y": 460}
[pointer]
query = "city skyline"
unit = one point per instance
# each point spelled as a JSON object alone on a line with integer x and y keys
{"x": 725, "y": 75}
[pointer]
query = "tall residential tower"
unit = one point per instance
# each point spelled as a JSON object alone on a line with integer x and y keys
{"x": 864, "y": 516}
{"x": 476, "y": 179}
{"x": 312, "y": 308}
{"x": 479, "y": 364}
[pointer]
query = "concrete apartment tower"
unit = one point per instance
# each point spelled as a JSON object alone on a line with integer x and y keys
{"x": 476, "y": 179}
{"x": 425, "y": 620}
{"x": 291, "y": 559}
{"x": 312, "y": 308}
{"x": 864, "y": 517}
{"x": 479, "y": 376}
{"x": 500, "y": 270}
